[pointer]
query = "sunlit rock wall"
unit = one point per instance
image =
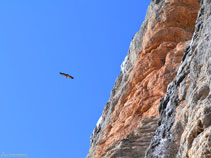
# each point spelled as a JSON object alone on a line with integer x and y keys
{"x": 151, "y": 64}
{"x": 185, "y": 111}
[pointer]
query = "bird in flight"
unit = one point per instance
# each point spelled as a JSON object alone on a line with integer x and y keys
{"x": 66, "y": 75}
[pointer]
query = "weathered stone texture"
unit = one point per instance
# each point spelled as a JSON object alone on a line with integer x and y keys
{"x": 134, "y": 144}
{"x": 185, "y": 111}
{"x": 151, "y": 64}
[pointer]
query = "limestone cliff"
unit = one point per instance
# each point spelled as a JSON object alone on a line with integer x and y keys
{"x": 131, "y": 116}
{"x": 185, "y": 111}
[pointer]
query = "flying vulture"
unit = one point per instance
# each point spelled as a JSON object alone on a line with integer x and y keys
{"x": 66, "y": 75}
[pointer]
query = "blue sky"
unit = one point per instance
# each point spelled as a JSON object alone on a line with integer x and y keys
{"x": 46, "y": 115}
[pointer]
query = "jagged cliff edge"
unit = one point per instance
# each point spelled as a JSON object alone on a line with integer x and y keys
{"x": 131, "y": 115}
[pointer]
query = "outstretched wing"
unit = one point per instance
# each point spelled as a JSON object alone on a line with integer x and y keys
{"x": 63, "y": 74}
{"x": 70, "y": 76}
{"x": 66, "y": 75}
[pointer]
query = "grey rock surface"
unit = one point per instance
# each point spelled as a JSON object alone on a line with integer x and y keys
{"x": 136, "y": 143}
{"x": 185, "y": 127}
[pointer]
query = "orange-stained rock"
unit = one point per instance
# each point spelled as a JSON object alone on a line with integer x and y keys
{"x": 185, "y": 112}
{"x": 167, "y": 32}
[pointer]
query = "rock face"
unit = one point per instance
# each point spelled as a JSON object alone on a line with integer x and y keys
{"x": 134, "y": 144}
{"x": 185, "y": 111}
{"x": 130, "y": 117}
